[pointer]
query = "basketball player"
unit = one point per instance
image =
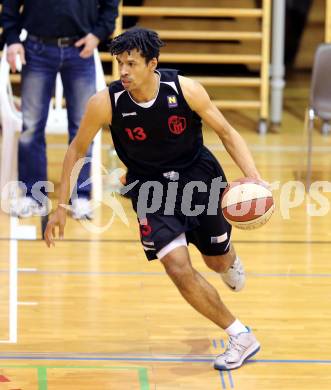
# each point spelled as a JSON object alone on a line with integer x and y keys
{"x": 155, "y": 120}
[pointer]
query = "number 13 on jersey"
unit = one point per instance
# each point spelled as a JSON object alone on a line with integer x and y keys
{"x": 137, "y": 134}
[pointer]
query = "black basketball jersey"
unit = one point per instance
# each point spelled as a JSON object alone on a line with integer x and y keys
{"x": 155, "y": 137}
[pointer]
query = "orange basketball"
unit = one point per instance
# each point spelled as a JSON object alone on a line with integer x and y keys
{"x": 247, "y": 203}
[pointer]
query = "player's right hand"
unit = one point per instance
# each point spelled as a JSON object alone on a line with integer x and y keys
{"x": 15, "y": 50}
{"x": 58, "y": 219}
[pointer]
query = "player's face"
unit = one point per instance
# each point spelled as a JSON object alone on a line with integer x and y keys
{"x": 134, "y": 71}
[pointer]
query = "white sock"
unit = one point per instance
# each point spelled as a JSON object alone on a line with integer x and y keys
{"x": 235, "y": 328}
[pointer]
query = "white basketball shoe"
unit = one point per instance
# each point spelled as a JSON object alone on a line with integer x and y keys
{"x": 239, "y": 348}
{"x": 235, "y": 278}
{"x": 25, "y": 207}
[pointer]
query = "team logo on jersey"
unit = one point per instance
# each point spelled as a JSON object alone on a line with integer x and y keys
{"x": 172, "y": 101}
{"x": 177, "y": 124}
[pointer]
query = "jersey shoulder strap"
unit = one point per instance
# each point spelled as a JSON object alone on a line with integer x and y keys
{"x": 115, "y": 91}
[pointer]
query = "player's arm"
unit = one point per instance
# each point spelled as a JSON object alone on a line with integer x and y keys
{"x": 199, "y": 101}
{"x": 98, "y": 114}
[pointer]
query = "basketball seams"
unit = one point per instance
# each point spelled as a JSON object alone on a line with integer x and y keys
{"x": 250, "y": 225}
{"x": 249, "y": 210}
{"x": 244, "y": 192}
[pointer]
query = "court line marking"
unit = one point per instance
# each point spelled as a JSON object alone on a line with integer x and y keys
{"x": 169, "y": 360}
{"x": 115, "y": 355}
{"x": 13, "y": 274}
{"x": 215, "y": 345}
{"x": 27, "y": 269}
{"x": 222, "y": 380}
{"x": 42, "y": 378}
{"x": 161, "y": 359}
{"x": 12, "y": 301}
{"x": 230, "y": 379}
{"x": 42, "y": 373}
{"x": 87, "y": 355}
{"x": 209, "y": 274}
{"x": 17, "y": 232}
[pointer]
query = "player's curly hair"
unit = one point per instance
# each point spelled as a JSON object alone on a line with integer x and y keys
{"x": 146, "y": 41}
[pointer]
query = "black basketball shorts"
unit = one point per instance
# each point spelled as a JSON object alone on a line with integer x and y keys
{"x": 208, "y": 231}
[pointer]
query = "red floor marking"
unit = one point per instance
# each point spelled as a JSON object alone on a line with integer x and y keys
{"x": 4, "y": 379}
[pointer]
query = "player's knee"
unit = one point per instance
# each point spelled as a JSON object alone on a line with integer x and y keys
{"x": 179, "y": 272}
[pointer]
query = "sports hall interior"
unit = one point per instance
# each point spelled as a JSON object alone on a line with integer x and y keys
{"x": 93, "y": 314}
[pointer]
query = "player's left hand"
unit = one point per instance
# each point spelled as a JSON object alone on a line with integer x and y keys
{"x": 90, "y": 42}
{"x": 57, "y": 220}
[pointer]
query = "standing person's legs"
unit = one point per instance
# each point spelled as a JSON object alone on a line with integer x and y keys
{"x": 79, "y": 84}
{"x": 38, "y": 78}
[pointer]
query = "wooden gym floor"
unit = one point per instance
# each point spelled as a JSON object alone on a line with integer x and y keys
{"x": 93, "y": 314}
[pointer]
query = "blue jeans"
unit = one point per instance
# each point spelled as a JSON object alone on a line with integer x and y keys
{"x": 43, "y": 62}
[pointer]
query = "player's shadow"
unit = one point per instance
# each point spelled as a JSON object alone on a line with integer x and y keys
{"x": 197, "y": 347}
